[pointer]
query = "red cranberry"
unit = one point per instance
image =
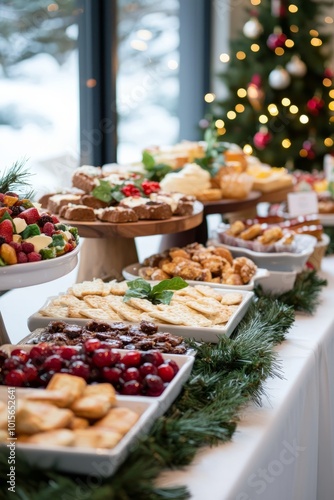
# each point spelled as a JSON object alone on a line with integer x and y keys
{"x": 131, "y": 373}
{"x": 30, "y": 372}
{"x": 173, "y": 364}
{"x": 112, "y": 374}
{"x": 53, "y": 363}
{"x": 20, "y": 353}
{"x": 154, "y": 385}
{"x": 154, "y": 357}
{"x": 132, "y": 358}
{"x": 131, "y": 388}
{"x": 67, "y": 352}
{"x": 80, "y": 369}
{"x": 166, "y": 372}
{"x": 92, "y": 344}
{"x": 148, "y": 368}
{"x": 12, "y": 363}
{"x": 102, "y": 357}
{"x": 15, "y": 378}
{"x": 45, "y": 378}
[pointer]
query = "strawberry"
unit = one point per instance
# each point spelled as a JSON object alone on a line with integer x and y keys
{"x": 6, "y": 230}
{"x": 31, "y": 215}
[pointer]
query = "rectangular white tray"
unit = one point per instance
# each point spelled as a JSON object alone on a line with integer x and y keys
{"x": 100, "y": 461}
{"x": 205, "y": 334}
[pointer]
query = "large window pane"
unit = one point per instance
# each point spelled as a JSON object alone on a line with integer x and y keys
{"x": 39, "y": 89}
{"x": 147, "y": 78}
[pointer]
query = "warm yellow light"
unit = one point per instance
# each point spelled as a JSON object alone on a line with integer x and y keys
{"x": 240, "y": 108}
{"x": 293, "y": 109}
{"x": 144, "y": 34}
{"x": 327, "y": 82}
{"x": 286, "y": 143}
{"x": 139, "y": 45}
{"x": 53, "y": 7}
{"x": 219, "y": 123}
{"x": 247, "y": 149}
{"x": 241, "y": 92}
{"x": 331, "y": 105}
{"x": 331, "y": 93}
{"x": 272, "y": 108}
{"x": 231, "y": 115}
{"x": 255, "y": 47}
{"x": 279, "y": 51}
{"x": 314, "y": 33}
{"x": 316, "y": 42}
{"x": 240, "y": 55}
{"x": 331, "y": 120}
{"x": 221, "y": 131}
{"x": 91, "y": 83}
{"x": 255, "y": 2}
{"x": 328, "y": 142}
{"x": 263, "y": 119}
{"x": 286, "y": 101}
{"x": 172, "y": 64}
{"x": 210, "y": 97}
{"x": 328, "y": 20}
{"x": 289, "y": 43}
{"x": 294, "y": 28}
{"x": 224, "y": 58}
{"x": 303, "y": 153}
{"x": 304, "y": 119}
{"x": 293, "y": 8}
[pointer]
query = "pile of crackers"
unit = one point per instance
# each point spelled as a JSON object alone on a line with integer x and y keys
{"x": 194, "y": 306}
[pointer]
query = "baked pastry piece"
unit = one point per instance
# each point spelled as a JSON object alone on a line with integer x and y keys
{"x": 57, "y": 201}
{"x": 78, "y": 212}
{"x": 119, "y": 419}
{"x": 251, "y": 232}
{"x": 95, "y": 401}
{"x": 117, "y": 215}
{"x": 90, "y": 201}
{"x": 86, "y": 178}
{"x": 96, "y": 438}
{"x": 59, "y": 437}
{"x": 71, "y": 386}
{"x": 33, "y": 417}
{"x": 270, "y": 235}
{"x": 211, "y": 194}
{"x": 154, "y": 211}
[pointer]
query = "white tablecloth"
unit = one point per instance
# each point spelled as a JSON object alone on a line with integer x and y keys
{"x": 283, "y": 450}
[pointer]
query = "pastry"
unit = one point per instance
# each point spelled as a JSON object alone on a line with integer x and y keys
{"x": 118, "y": 215}
{"x": 96, "y": 438}
{"x": 270, "y": 235}
{"x": 119, "y": 419}
{"x": 71, "y": 386}
{"x": 59, "y": 437}
{"x": 33, "y": 417}
{"x": 78, "y": 212}
{"x": 57, "y": 201}
{"x": 251, "y": 232}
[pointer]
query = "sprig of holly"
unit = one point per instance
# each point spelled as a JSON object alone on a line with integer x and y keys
{"x": 161, "y": 293}
{"x": 111, "y": 193}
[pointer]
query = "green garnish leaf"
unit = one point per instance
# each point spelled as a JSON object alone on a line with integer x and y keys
{"x": 161, "y": 293}
{"x": 148, "y": 160}
{"x": 103, "y": 191}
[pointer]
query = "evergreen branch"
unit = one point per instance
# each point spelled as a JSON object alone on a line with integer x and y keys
{"x": 16, "y": 178}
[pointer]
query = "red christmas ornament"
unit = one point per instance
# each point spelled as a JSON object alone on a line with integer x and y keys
{"x": 276, "y": 39}
{"x": 308, "y": 147}
{"x": 261, "y": 139}
{"x": 314, "y": 105}
{"x": 328, "y": 73}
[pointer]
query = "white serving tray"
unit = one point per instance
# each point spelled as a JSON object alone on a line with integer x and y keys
{"x": 205, "y": 334}
{"x": 131, "y": 273}
{"x": 98, "y": 462}
{"x": 34, "y": 273}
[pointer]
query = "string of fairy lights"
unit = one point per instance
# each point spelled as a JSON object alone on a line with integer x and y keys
{"x": 279, "y": 78}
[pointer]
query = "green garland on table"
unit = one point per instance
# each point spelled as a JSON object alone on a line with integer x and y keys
{"x": 225, "y": 377}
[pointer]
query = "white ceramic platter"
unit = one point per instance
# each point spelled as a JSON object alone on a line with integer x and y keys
{"x": 205, "y": 334}
{"x": 131, "y": 273}
{"x": 277, "y": 261}
{"x": 34, "y": 273}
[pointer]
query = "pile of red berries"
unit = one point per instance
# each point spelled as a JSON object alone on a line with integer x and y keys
{"x": 131, "y": 373}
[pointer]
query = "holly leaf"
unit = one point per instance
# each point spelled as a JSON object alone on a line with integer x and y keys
{"x": 175, "y": 283}
{"x": 158, "y": 294}
{"x": 140, "y": 284}
{"x": 103, "y": 192}
{"x": 148, "y": 160}
{"x": 163, "y": 297}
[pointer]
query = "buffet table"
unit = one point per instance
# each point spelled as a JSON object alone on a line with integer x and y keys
{"x": 284, "y": 449}
{"x": 281, "y": 450}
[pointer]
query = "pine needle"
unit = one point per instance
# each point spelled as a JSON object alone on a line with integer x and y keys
{"x": 17, "y": 179}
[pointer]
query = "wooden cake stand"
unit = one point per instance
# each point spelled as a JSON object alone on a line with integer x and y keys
{"x": 108, "y": 248}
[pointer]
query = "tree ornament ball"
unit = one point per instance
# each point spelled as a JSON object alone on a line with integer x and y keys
{"x": 253, "y": 28}
{"x": 261, "y": 139}
{"x": 308, "y": 147}
{"x": 279, "y": 78}
{"x": 296, "y": 67}
{"x": 314, "y": 105}
{"x": 276, "y": 40}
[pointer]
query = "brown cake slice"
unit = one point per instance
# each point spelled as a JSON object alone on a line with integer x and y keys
{"x": 90, "y": 201}
{"x": 153, "y": 210}
{"x": 78, "y": 212}
{"x": 117, "y": 215}
{"x": 57, "y": 201}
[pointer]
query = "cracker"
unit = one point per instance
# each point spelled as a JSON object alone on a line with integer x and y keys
{"x": 207, "y": 306}
{"x": 207, "y": 291}
{"x": 95, "y": 313}
{"x": 128, "y": 313}
{"x": 101, "y": 303}
{"x": 117, "y": 288}
{"x": 119, "y": 419}
{"x": 231, "y": 298}
{"x": 222, "y": 317}
{"x": 141, "y": 304}
{"x": 52, "y": 311}
{"x": 180, "y": 314}
{"x": 188, "y": 291}
{"x": 67, "y": 300}
{"x": 95, "y": 287}
{"x": 75, "y": 312}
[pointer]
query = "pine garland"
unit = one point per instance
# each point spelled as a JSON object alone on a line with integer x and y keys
{"x": 15, "y": 178}
{"x": 225, "y": 377}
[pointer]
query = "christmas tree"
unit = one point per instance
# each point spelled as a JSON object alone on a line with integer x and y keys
{"x": 280, "y": 103}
